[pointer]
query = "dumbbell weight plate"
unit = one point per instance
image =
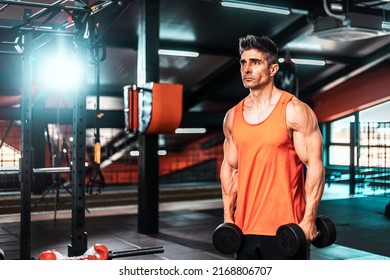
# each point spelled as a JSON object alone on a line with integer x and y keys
{"x": 291, "y": 239}
{"x": 227, "y": 238}
{"x": 327, "y": 231}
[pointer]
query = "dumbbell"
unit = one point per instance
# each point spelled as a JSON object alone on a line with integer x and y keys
{"x": 292, "y": 240}
{"x": 227, "y": 238}
{"x": 2, "y": 255}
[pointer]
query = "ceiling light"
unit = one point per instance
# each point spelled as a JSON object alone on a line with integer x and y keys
{"x": 159, "y": 152}
{"x": 190, "y": 130}
{"x": 302, "y": 61}
{"x": 309, "y": 61}
{"x": 256, "y": 7}
{"x": 178, "y": 53}
{"x": 134, "y": 153}
{"x": 299, "y": 12}
{"x": 386, "y": 25}
{"x": 336, "y": 7}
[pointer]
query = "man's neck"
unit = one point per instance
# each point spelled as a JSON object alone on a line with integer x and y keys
{"x": 263, "y": 96}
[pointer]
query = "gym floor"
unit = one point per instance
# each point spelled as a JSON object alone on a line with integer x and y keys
{"x": 186, "y": 229}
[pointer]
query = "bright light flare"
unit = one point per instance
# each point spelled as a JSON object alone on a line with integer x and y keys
{"x": 60, "y": 72}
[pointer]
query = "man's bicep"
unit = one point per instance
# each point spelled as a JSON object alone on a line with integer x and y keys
{"x": 230, "y": 153}
{"x": 307, "y": 136}
{"x": 314, "y": 146}
{"x": 229, "y": 148}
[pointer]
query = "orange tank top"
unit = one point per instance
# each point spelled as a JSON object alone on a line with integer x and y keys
{"x": 270, "y": 175}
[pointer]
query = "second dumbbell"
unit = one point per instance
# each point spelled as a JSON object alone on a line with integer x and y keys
{"x": 292, "y": 239}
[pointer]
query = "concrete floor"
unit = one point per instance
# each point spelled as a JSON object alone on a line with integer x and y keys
{"x": 185, "y": 230}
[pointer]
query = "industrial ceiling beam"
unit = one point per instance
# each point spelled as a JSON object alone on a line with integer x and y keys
{"x": 210, "y": 85}
{"x": 348, "y": 72}
{"x": 44, "y": 5}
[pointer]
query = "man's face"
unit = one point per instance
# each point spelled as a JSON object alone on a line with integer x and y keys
{"x": 255, "y": 71}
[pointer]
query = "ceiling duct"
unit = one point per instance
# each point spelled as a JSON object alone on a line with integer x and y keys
{"x": 374, "y": 4}
{"x": 356, "y": 27}
{"x": 350, "y": 26}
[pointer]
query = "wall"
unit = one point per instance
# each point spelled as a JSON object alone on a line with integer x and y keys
{"x": 356, "y": 94}
{"x": 125, "y": 171}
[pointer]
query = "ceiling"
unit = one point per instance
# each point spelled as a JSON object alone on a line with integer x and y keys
{"x": 212, "y": 80}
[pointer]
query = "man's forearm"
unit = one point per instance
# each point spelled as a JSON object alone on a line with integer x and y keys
{"x": 229, "y": 191}
{"x": 314, "y": 187}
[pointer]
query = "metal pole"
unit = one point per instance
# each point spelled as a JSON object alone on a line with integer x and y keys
{"x": 352, "y": 181}
{"x": 78, "y": 243}
{"x": 26, "y": 174}
{"x": 148, "y": 71}
{"x": 42, "y": 170}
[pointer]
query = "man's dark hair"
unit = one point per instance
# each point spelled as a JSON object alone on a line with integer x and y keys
{"x": 263, "y": 44}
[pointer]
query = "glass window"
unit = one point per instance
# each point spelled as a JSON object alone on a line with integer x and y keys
{"x": 378, "y": 113}
{"x": 339, "y": 155}
{"x": 374, "y": 156}
{"x": 9, "y": 157}
{"x": 339, "y": 130}
{"x": 374, "y": 138}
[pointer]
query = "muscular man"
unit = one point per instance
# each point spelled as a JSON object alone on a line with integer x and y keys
{"x": 269, "y": 137}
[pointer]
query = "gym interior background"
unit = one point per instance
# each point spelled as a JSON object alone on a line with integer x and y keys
{"x": 69, "y": 144}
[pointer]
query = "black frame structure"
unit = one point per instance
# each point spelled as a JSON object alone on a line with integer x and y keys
{"x": 78, "y": 243}
{"x": 148, "y": 65}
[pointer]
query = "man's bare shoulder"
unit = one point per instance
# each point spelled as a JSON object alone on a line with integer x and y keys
{"x": 228, "y": 120}
{"x": 299, "y": 113}
{"x": 297, "y": 107}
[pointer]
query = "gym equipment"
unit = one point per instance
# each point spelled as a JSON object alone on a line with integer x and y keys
{"x": 2, "y": 255}
{"x": 154, "y": 108}
{"x": 134, "y": 252}
{"x": 96, "y": 178}
{"x": 286, "y": 78}
{"x": 100, "y": 252}
{"x": 292, "y": 240}
{"x": 227, "y": 238}
{"x": 43, "y": 170}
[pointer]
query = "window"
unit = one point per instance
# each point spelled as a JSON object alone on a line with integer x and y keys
{"x": 372, "y": 120}
{"x": 339, "y": 150}
{"x": 339, "y": 155}
{"x": 379, "y": 113}
{"x": 340, "y": 130}
{"x": 9, "y": 157}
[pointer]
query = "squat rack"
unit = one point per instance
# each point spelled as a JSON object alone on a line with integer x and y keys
{"x": 81, "y": 13}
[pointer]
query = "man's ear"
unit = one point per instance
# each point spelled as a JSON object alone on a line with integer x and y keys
{"x": 273, "y": 69}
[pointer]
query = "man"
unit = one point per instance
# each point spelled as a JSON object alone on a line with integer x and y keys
{"x": 269, "y": 137}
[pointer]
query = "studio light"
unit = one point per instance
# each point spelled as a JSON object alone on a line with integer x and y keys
{"x": 178, "y": 53}
{"x": 59, "y": 71}
{"x": 256, "y": 7}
